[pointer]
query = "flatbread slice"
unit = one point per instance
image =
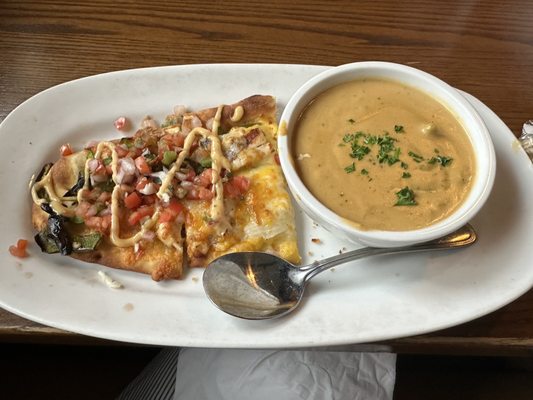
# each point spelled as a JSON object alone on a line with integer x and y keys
{"x": 202, "y": 184}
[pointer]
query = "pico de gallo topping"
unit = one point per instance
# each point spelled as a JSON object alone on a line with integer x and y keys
{"x": 134, "y": 184}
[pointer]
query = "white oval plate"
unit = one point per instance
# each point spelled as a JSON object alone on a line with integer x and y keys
{"x": 364, "y": 301}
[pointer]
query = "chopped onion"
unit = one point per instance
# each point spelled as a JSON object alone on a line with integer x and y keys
{"x": 91, "y": 211}
{"x": 128, "y": 165}
{"x": 159, "y": 175}
{"x": 119, "y": 177}
{"x": 98, "y": 179}
{"x": 181, "y": 176}
{"x": 148, "y": 122}
{"x": 105, "y": 211}
{"x": 148, "y": 235}
{"x": 149, "y": 188}
{"x": 196, "y": 122}
{"x": 180, "y": 192}
{"x": 179, "y": 110}
{"x": 126, "y": 170}
{"x": 187, "y": 184}
{"x": 93, "y": 164}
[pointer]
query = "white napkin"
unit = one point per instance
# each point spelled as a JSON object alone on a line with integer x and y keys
{"x": 231, "y": 374}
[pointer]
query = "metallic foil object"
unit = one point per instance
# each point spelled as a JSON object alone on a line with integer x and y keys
{"x": 526, "y": 139}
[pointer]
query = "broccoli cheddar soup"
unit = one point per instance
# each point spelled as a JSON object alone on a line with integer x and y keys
{"x": 383, "y": 155}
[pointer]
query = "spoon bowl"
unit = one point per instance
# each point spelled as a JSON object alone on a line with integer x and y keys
{"x": 254, "y": 285}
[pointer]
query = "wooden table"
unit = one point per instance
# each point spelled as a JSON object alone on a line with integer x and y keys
{"x": 482, "y": 47}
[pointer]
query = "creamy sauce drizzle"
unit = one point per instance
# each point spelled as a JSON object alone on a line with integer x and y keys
{"x": 237, "y": 114}
{"x": 56, "y": 202}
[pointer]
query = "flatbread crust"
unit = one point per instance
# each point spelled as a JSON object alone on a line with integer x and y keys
{"x": 261, "y": 220}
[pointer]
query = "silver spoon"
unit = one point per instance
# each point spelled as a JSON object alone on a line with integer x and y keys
{"x": 253, "y": 285}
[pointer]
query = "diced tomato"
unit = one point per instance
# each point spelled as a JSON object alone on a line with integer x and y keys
{"x": 176, "y": 140}
{"x": 205, "y": 178}
{"x": 20, "y": 249}
{"x": 22, "y": 244}
{"x": 82, "y": 209}
{"x": 142, "y": 166}
{"x": 133, "y": 200}
{"x": 141, "y": 184}
{"x": 66, "y": 150}
{"x": 100, "y": 170}
{"x": 101, "y": 224}
{"x": 190, "y": 175}
{"x": 165, "y": 216}
{"x": 199, "y": 193}
{"x": 139, "y": 214}
{"x": 121, "y": 151}
{"x": 149, "y": 199}
{"x": 179, "y": 140}
{"x": 236, "y": 187}
{"x": 175, "y": 206}
{"x": 120, "y": 123}
{"x": 173, "y": 209}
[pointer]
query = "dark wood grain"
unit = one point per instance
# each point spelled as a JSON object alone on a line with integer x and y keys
{"x": 482, "y": 47}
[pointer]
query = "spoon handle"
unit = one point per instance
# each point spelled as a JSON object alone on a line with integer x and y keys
{"x": 462, "y": 237}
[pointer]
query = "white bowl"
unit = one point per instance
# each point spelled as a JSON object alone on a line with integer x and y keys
{"x": 485, "y": 163}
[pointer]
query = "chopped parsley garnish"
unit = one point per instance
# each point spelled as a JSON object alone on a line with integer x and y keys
{"x": 398, "y": 128}
{"x": 406, "y": 175}
{"x": 351, "y": 121}
{"x": 364, "y": 172}
{"x": 387, "y": 151}
{"x": 406, "y": 197}
{"x": 350, "y": 168}
{"x": 389, "y": 158}
{"x": 404, "y": 165}
{"x": 108, "y": 160}
{"x": 417, "y": 158}
{"x": 442, "y": 160}
{"x": 371, "y": 139}
{"x": 349, "y": 137}
{"x": 359, "y": 151}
